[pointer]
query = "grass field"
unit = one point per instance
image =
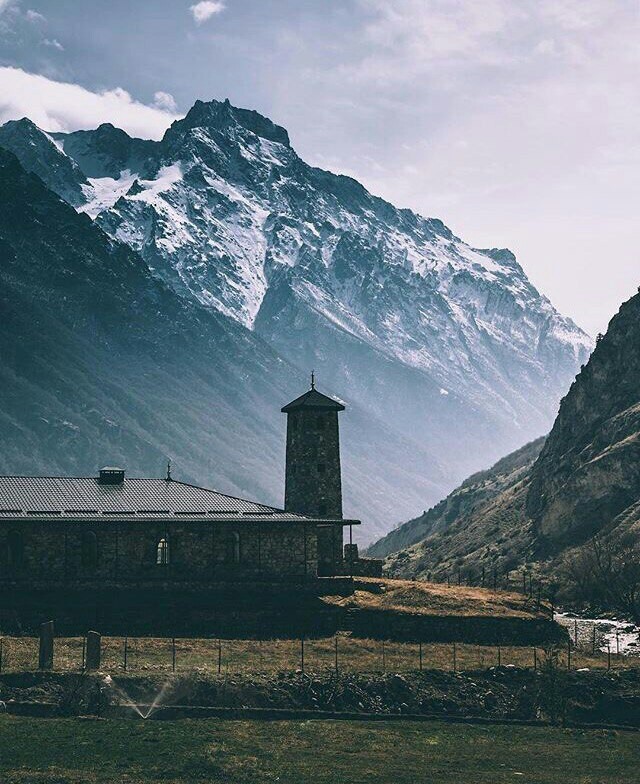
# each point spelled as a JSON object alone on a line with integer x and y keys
{"x": 75, "y": 751}
{"x": 148, "y": 654}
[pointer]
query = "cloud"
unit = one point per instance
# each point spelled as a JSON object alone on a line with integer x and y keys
{"x": 34, "y": 16}
{"x": 63, "y": 106}
{"x": 205, "y": 9}
{"x": 164, "y": 101}
{"x": 53, "y": 43}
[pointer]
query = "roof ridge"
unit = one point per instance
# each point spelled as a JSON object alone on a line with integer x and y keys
{"x": 228, "y": 495}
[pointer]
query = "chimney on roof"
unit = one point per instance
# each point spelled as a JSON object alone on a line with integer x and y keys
{"x": 109, "y": 475}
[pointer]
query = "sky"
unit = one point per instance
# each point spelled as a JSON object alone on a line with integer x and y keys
{"x": 517, "y": 122}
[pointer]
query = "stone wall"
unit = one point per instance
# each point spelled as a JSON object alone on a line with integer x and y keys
{"x": 126, "y": 552}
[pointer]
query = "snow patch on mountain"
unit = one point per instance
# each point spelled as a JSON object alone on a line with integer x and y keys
{"x": 453, "y": 342}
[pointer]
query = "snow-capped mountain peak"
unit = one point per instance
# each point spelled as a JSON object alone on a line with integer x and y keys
{"x": 226, "y": 212}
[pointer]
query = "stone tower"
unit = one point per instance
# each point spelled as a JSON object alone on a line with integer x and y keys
{"x": 313, "y": 482}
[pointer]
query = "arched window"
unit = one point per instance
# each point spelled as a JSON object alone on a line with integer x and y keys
{"x": 234, "y": 549}
{"x": 162, "y": 553}
{"x": 89, "y": 550}
{"x": 15, "y": 549}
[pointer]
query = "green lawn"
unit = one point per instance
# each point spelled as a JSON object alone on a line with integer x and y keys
{"x": 79, "y": 751}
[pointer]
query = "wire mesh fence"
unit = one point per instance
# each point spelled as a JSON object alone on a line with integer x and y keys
{"x": 341, "y": 653}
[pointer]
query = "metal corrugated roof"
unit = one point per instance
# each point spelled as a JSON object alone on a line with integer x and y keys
{"x": 82, "y": 497}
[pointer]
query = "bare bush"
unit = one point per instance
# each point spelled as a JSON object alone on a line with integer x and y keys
{"x": 605, "y": 573}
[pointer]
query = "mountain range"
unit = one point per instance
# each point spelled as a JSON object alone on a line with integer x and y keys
{"x": 574, "y": 494}
{"x": 446, "y": 354}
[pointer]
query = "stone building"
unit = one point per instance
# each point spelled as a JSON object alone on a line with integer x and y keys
{"x": 115, "y": 531}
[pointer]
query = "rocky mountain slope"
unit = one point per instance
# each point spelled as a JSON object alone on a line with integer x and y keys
{"x": 461, "y": 507}
{"x": 448, "y": 346}
{"x": 587, "y": 478}
{"x": 481, "y": 524}
{"x": 554, "y": 495}
{"x": 103, "y": 362}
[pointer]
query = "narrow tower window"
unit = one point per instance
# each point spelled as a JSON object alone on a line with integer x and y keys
{"x": 234, "y": 549}
{"x": 15, "y": 549}
{"x": 162, "y": 553}
{"x": 89, "y": 550}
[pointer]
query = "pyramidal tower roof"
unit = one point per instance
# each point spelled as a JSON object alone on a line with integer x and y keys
{"x": 313, "y": 401}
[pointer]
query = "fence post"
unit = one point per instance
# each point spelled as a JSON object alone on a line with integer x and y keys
{"x": 84, "y": 653}
{"x": 482, "y": 578}
{"x": 448, "y": 580}
{"x": 219, "y": 656}
{"x": 569, "y": 654}
{"x": 126, "y": 652}
{"x": 384, "y": 658}
{"x": 608, "y": 656}
{"x": 593, "y": 640}
{"x": 173, "y": 654}
{"x": 93, "y": 645}
{"x": 575, "y": 632}
{"x": 499, "y": 656}
{"x": 617, "y": 643}
{"x": 455, "y": 658}
{"x": 420, "y": 653}
{"x": 302, "y": 654}
{"x": 1, "y": 652}
{"x": 336, "y": 652}
{"x": 45, "y": 658}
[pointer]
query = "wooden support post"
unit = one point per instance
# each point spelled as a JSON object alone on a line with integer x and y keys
{"x": 93, "y": 646}
{"x": 335, "y": 641}
{"x": 608, "y": 656}
{"x": 126, "y": 652}
{"x": 384, "y": 658}
{"x": 420, "y": 654}
{"x": 535, "y": 659}
{"x": 575, "y": 632}
{"x": 45, "y": 657}
{"x": 499, "y": 656}
{"x": 593, "y": 639}
{"x": 219, "y": 656}
{"x": 455, "y": 658}
{"x": 173, "y": 654}
{"x": 84, "y": 654}
{"x": 302, "y": 654}
{"x": 304, "y": 533}
{"x": 350, "y": 550}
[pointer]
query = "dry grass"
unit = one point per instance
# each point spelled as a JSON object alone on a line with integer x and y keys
{"x": 272, "y": 656}
{"x": 422, "y": 598}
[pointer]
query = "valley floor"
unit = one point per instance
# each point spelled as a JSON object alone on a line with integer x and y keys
{"x": 71, "y": 751}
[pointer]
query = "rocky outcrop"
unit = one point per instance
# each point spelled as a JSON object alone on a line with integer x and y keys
{"x": 587, "y": 478}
